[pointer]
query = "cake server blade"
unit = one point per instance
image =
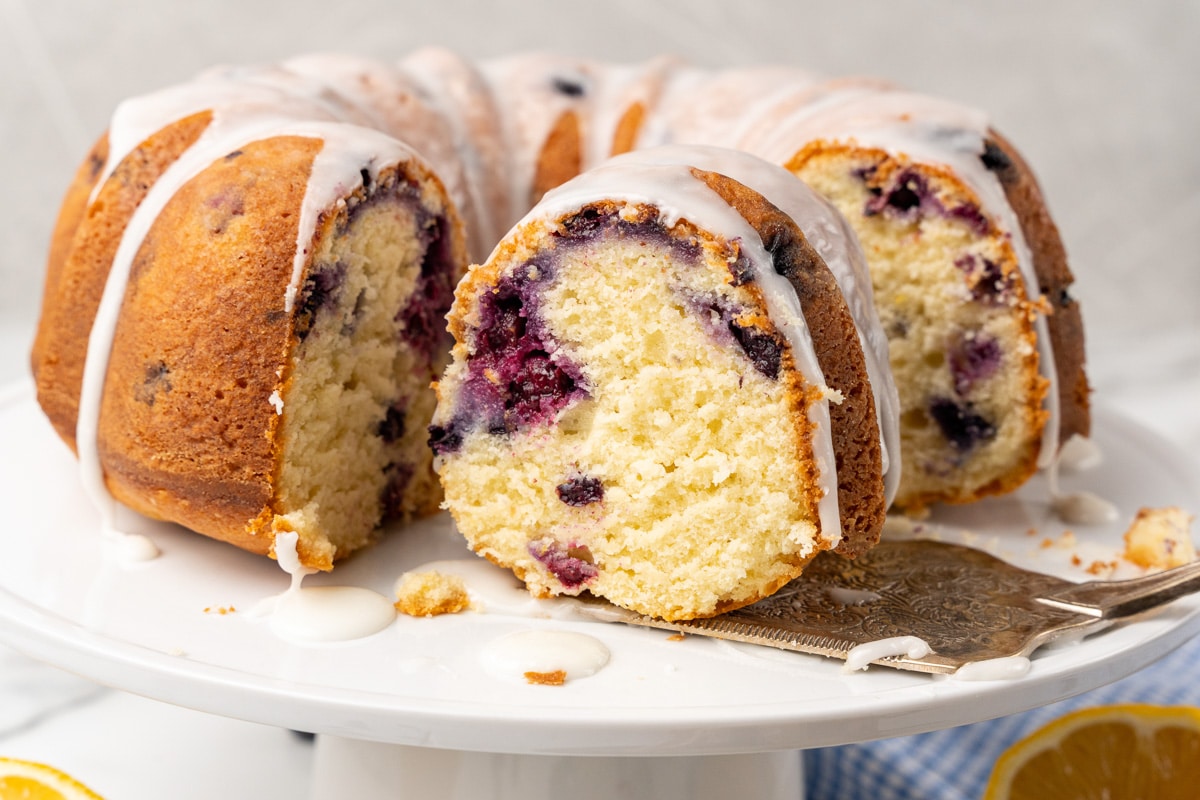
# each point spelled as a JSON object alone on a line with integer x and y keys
{"x": 967, "y": 605}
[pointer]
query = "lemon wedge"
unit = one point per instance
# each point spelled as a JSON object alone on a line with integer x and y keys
{"x": 27, "y": 780}
{"x": 1117, "y": 752}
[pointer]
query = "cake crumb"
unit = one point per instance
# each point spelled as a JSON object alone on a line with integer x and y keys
{"x": 1101, "y": 568}
{"x": 1076, "y": 561}
{"x": 555, "y": 678}
{"x": 1160, "y": 538}
{"x": 1065, "y": 540}
{"x": 428, "y": 594}
{"x": 219, "y": 610}
{"x": 676, "y": 637}
{"x": 1031, "y": 532}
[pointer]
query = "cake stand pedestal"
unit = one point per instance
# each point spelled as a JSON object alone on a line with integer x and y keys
{"x": 415, "y": 711}
{"x": 348, "y": 768}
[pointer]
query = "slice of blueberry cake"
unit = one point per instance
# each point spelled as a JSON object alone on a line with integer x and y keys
{"x": 658, "y": 392}
{"x": 971, "y": 280}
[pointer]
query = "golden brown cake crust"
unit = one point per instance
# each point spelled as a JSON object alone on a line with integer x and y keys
{"x": 855, "y": 429}
{"x": 70, "y": 216}
{"x": 1064, "y": 321}
{"x": 84, "y": 243}
{"x": 561, "y": 156}
{"x": 625, "y": 135}
{"x": 177, "y": 437}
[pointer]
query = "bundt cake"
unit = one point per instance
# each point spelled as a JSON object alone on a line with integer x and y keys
{"x": 274, "y": 270}
{"x": 654, "y": 350}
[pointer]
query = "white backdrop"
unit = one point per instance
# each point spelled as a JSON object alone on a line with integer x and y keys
{"x": 1100, "y": 97}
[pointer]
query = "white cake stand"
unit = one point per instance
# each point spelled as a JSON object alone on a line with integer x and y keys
{"x": 413, "y": 711}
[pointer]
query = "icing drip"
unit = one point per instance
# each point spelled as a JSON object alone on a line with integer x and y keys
{"x": 851, "y": 597}
{"x": 323, "y": 613}
{"x": 1079, "y": 454}
{"x": 1082, "y": 508}
{"x": 519, "y": 653}
{"x": 993, "y": 669}
{"x": 129, "y": 548}
{"x": 862, "y": 655}
{"x": 1078, "y": 508}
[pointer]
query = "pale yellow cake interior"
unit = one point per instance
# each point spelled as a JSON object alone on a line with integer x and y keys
{"x": 696, "y": 450}
{"x": 346, "y": 373}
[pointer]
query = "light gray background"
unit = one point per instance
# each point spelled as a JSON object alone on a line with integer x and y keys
{"x": 1101, "y": 97}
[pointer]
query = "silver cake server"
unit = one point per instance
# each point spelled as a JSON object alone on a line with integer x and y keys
{"x": 967, "y": 605}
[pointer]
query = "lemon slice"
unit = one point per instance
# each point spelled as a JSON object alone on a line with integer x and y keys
{"x": 1118, "y": 752}
{"x": 26, "y": 780}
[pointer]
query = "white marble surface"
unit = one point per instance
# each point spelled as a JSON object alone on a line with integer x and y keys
{"x": 1098, "y": 96}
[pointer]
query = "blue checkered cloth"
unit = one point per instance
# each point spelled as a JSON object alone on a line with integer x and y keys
{"x": 954, "y": 764}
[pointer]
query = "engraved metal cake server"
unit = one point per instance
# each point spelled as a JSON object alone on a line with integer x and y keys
{"x": 966, "y": 604}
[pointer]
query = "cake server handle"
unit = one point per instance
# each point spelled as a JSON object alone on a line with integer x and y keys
{"x": 1119, "y": 599}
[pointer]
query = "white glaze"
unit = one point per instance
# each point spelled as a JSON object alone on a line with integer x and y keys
{"x": 459, "y": 92}
{"x": 129, "y": 548}
{"x": 1077, "y": 508}
{"x": 1083, "y": 508}
{"x": 994, "y": 669}
{"x": 322, "y": 613}
{"x": 1079, "y": 454}
{"x": 330, "y": 614}
{"x": 510, "y": 656}
{"x": 288, "y": 557}
{"x": 523, "y": 86}
{"x": 862, "y": 655}
{"x": 1072, "y": 638}
{"x": 851, "y": 597}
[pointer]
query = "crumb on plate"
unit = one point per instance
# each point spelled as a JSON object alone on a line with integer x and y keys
{"x": 1160, "y": 537}
{"x": 1099, "y": 568}
{"x": 427, "y": 594}
{"x": 554, "y": 678}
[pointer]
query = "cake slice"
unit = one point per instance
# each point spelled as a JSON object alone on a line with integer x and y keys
{"x": 659, "y": 393}
{"x": 246, "y": 346}
{"x": 971, "y": 281}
